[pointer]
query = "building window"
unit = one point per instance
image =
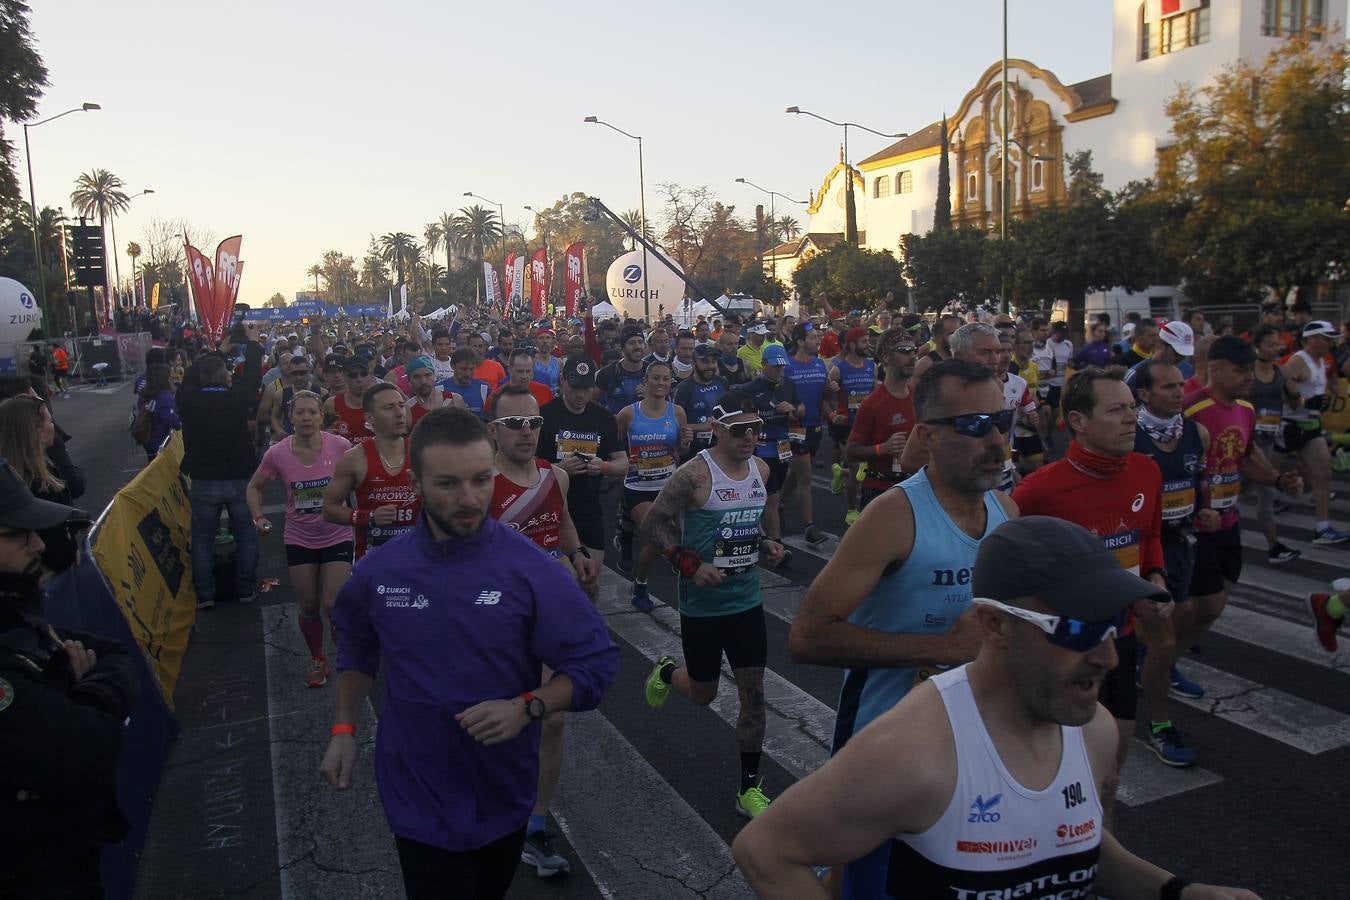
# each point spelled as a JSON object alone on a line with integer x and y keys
{"x": 1293, "y": 18}
{"x": 1177, "y": 32}
{"x": 972, "y": 186}
{"x": 1037, "y": 175}
{"x": 882, "y": 186}
{"x": 904, "y": 182}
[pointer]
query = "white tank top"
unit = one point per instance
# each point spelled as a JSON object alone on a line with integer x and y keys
{"x": 996, "y": 837}
{"x": 1315, "y": 386}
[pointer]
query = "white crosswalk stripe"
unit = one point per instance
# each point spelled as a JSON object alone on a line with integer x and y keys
{"x": 1264, "y": 612}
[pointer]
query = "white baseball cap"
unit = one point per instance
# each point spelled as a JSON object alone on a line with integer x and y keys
{"x": 1179, "y": 337}
{"x": 1319, "y": 326}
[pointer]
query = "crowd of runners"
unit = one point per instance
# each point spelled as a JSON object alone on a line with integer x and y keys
{"x": 998, "y": 482}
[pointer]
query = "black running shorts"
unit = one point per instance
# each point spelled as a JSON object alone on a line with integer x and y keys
{"x": 810, "y": 446}
{"x": 1218, "y": 559}
{"x": 1118, "y": 693}
{"x": 591, "y": 531}
{"x": 741, "y": 636}
{"x": 840, "y": 432}
{"x": 777, "y": 474}
{"x": 306, "y": 556}
{"x": 1179, "y": 550}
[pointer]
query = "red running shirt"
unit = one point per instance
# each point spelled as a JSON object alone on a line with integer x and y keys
{"x": 351, "y": 422}
{"x": 880, "y": 416}
{"x": 535, "y": 511}
{"x": 1230, "y": 441}
{"x": 383, "y": 489}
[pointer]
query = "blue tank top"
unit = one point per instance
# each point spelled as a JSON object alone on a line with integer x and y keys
{"x": 652, "y": 447}
{"x": 856, "y": 383}
{"x": 475, "y": 394}
{"x": 926, "y": 595}
{"x": 697, "y": 401}
{"x": 809, "y": 377}
{"x": 547, "y": 374}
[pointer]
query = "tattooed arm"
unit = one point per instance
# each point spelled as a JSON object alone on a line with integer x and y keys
{"x": 665, "y": 520}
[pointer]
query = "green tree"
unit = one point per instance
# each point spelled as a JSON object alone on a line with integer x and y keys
{"x": 397, "y": 249}
{"x": 1254, "y": 189}
{"x": 942, "y": 211}
{"x": 100, "y": 192}
{"x": 946, "y": 266}
{"x": 316, "y": 272}
{"x": 22, "y": 78}
{"x": 277, "y": 301}
{"x": 850, "y": 275}
{"x": 573, "y": 218}
{"x": 340, "y": 277}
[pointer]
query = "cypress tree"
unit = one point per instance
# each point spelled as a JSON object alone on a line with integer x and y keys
{"x": 942, "y": 212}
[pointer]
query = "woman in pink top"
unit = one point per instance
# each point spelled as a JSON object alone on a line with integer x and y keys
{"x": 318, "y": 553}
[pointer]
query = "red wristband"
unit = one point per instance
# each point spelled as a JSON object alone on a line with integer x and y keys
{"x": 360, "y": 517}
{"x": 877, "y": 449}
{"x": 343, "y": 728}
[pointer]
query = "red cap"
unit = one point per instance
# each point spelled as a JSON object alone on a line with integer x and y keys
{"x": 547, "y": 331}
{"x": 853, "y": 335}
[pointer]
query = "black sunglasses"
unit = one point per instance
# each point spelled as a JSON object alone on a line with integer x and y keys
{"x": 977, "y": 425}
{"x": 516, "y": 423}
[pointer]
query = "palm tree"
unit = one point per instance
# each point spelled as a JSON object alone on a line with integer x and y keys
{"x": 445, "y": 229}
{"x": 788, "y": 228}
{"x": 100, "y": 191}
{"x": 398, "y": 249}
{"x": 633, "y": 219}
{"x": 134, "y": 251}
{"x": 477, "y": 229}
{"x": 314, "y": 272}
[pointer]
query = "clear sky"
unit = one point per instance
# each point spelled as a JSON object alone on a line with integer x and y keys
{"x": 308, "y": 126}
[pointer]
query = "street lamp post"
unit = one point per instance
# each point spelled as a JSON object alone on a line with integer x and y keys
{"x": 850, "y": 208}
{"x": 32, "y": 200}
{"x": 642, "y": 210}
{"x": 501, "y": 216}
{"x": 772, "y": 215}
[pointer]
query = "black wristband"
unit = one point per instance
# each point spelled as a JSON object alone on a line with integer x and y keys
{"x": 1172, "y": 888}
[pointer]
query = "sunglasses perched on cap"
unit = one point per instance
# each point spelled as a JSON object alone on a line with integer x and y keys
{"x": 977, "y": 425}
{"x": 516, "y": 423}
{"x": 1063, "y": 631}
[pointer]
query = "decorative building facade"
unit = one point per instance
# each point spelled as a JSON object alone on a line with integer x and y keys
{"x": 1157, "y": 46}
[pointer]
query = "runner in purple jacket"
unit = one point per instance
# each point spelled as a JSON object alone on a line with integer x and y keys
{"x": 462, "y": 612}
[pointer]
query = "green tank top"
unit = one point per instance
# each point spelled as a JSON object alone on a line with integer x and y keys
{"x": 725, "y": 532}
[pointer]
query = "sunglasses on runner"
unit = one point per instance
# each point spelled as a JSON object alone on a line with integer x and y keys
{"x": 741, "y": 429}
{"x": 1062, "y": 631}
{"x": 907, "y": 350}
{"x": 977, "y": 425}
{"x": 516, "y": 423}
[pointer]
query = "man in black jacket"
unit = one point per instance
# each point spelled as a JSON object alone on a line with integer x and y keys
{"x": 63, "y": 698}
{"x": 218, "y": 456}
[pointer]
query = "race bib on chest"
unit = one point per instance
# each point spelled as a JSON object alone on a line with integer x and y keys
{"x": 1224, "y": 488}
{"x": 1178, "y": 499}
{"x": 308, "y": 495}
{"x": 736, "y": 548}
{"x": 785, "y": 451}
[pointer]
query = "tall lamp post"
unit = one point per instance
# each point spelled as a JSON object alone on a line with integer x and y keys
{"x": 642, "y": 210}
{"x": 501, "y": 216}
{"x": 32, "y": 200}
{"x": 850, "y": 208}
{"x": 772, "y": 217}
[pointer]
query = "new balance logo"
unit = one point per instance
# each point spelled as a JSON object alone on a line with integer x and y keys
{"x": 982, "y": 809}
{"x": 488, "y": 598}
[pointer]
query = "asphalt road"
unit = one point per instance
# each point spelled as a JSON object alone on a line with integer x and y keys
{"x": 645, "y": 806}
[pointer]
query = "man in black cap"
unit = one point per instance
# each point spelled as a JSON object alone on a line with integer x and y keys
{"x": 619, "y": 384}
{"x": 987, "y": 776}
{"x": 697, "y": 395}
{"x": 63, "y": 699}
{"x": 580, "y": 437}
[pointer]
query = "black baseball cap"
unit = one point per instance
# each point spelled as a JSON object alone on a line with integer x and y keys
{"x": 1232, "y": 348}
{"x": 709, "y": 349}
{"x": 1061, "y": 564}
{"x": 579, "y": 371}
{"x": 21, "y": 510}
{"x": 629, "y": 332}
{"x": 356, "y": 362}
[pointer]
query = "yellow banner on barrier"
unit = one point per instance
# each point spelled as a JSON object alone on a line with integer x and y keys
{"x": 142, "y": 549}
{"x": 1336, "y": 419}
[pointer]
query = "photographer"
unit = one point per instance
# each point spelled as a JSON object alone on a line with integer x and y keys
{"x": 63, "y": 699}
{"x": 218, "y": 455}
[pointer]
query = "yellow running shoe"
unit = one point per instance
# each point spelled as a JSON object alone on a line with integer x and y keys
{"x": 836, "y": 479}
{"x": 752, "y": 801}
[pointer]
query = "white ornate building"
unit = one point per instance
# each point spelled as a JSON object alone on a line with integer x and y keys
{"x": 1156, "y": 46}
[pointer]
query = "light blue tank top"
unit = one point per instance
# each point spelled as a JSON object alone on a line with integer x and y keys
{"x": 926, "y": 595}
{"x": 653, "y": 445}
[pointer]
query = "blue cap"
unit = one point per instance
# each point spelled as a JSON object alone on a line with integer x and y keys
{"x": 774, "y": 355}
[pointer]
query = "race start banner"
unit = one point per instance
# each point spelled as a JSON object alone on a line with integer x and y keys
{"x": 539, "y": 282}
{"x": 215, "y": 287}
{"x": 573, "y": 277}
{"x": 142, "y": 548}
